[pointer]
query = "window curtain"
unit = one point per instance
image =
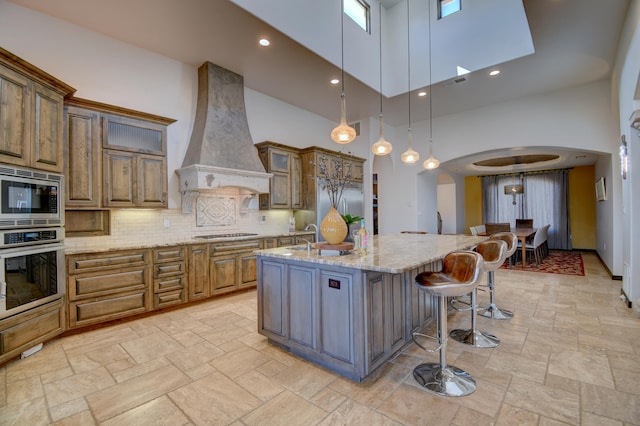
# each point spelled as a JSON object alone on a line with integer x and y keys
{"x": 498, "y": 207}
{"x": 545, "y": 200}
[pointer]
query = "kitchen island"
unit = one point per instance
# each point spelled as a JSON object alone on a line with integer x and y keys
{"x": 349, "y": 313}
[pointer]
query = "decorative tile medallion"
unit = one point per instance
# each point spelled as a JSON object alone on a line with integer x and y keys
{"x": 216, "y": 211}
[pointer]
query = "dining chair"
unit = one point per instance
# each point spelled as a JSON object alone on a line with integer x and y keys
{"x": 524, "y": 223}
{"x": 492, "y": 228}
{"x": 535, "y": 247}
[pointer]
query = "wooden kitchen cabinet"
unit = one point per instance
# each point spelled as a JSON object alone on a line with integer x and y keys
{"x": 169, "y": 276}
{"x": 31, "y": 111}
{"x": 198, "y": 286}
{"x": 314, "y": 156}
{"x": 106, "y": 286}
{"x": 134, "y": 180}
{"x": 116, "y": 157}
{"x": 83, "y": 165}
{"x": 285, "y": 187}
{"x": 232, "y": 265}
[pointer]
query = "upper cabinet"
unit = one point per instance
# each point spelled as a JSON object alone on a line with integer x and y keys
{"x": 337, "y": 164}
{"x": 31, "y": 116}
{"x": 284, "y": 163}
{"x": 115, "y": 157}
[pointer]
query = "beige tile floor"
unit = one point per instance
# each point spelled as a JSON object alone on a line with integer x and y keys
{"x": 571, "y": 355}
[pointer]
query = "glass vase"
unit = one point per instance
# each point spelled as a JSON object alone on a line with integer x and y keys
{"x": 333, "y": 227}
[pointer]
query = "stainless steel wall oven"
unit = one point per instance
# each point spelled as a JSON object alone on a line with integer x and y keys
{"x": 32, "y": 268}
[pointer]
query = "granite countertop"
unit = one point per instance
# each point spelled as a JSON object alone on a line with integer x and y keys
{"x": 392, "y": 253}
{"x": 153, "y": 243}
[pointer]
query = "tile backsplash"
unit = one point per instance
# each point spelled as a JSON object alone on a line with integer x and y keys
{"x": 227, "y": 211}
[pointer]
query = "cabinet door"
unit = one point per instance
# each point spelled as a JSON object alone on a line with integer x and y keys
{"x": 336, "y": 315}
{"x": 280, "y": 191}
{"x": 332, "y": 163}
{"x": 223, "y": 274}
{"x": 354, "y": 168}
{"x": 129, "y": 134}
{"x": 151, "y": 181}
{"x": 14, "y": 117}
{"x": 83, "y": 167}
{"x": 47, "y": 133}
{"x": 248, "y": 273}
{"x": 198, "y": 272}
{"x": 118, "y": 181}
{"x": 279, "y": 160}
{"x": 296, "y": 182}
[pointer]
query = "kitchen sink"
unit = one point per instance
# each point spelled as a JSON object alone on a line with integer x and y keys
{"x": 232, "y": 235}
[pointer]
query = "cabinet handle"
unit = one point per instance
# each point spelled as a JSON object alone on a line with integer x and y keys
{"x": 198, "y": 251}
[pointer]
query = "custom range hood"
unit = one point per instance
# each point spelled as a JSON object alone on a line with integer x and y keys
{"x": 221, "y": 152}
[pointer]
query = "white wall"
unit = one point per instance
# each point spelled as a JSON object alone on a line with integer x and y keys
{"x": 627, "y": 83}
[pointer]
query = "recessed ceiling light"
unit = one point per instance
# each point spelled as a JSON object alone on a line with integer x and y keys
{"x": 334, "y": 81}
{"x": 264, "y": 42}
{"x": 494, "y": 73}
{"x": 422, "y": 94}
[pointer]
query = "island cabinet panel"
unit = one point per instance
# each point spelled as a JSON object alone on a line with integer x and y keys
{"x": 273, "y": 299}
{"x": 302, "y": 315}
{"x": 336, "y": 315}
{"x": 385, "y": 296}
{"x": 420, "y": 305}
{"x": 198, "y": 286}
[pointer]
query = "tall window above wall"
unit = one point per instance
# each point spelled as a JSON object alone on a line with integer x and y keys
{"x": 360, "y": 12}
{"x": 447, "y": 7}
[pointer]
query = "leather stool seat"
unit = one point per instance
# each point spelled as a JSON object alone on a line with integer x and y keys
{"x": 460, "y": 274}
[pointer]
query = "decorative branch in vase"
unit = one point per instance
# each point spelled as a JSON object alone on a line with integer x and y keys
{"x": 333, "y": 227}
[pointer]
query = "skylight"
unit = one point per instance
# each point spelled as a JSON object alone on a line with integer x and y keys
{"x": 447, "y": 7}
{"x": 359, "y": 11}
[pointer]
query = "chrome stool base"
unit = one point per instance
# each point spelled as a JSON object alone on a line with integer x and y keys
{"x": 493, "y": 312}
{"x": 477, "y": 339}
{"x": 447, "y": 381}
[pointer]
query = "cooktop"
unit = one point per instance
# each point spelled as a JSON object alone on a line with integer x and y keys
{"x": 232, "y": 235}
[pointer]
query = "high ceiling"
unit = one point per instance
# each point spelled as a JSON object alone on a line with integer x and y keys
{"x": 574, "y": 43}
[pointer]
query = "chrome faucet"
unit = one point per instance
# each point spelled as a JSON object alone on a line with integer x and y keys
{"x": 308, "y": 246}
{"x": 312, "y": 225}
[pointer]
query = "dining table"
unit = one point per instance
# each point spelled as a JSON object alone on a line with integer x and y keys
{"x": 522, "y": 234}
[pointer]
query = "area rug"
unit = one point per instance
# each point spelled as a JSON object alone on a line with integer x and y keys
{"x": 557, "y": 262}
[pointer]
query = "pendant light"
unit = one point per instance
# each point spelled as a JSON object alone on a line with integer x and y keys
{"x": 382, "y": 147}
{"x": 431, "y": 162}
{"x": 409, "y": 156}
{"x": 343, "y": 133}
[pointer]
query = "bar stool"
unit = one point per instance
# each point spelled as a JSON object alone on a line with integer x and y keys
{"x": 492, "y": 311}
{"x": 461, "y": 271}
{"x": 493, "y": 253}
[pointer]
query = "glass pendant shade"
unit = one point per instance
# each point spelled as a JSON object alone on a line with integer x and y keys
{"x": 343, "y": 133}
{"x": 382, "y": 147}
{"x": 431, "y": 162}
{"x": 410, "y": 156}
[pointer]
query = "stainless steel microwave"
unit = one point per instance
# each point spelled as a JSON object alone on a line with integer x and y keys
{"x": 30, "y": 198}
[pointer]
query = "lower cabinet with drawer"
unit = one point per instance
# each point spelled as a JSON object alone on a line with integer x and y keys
{"x": 232, "y": 265}
{"x": 169, "y": 276}
{"x": 106, "y": 286}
